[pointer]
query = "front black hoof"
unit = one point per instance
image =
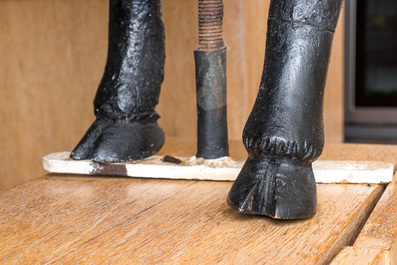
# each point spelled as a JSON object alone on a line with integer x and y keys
{"x": 119, "y": 141}
{"x": 282, "y": 188}
{"x": 85, "y": 147}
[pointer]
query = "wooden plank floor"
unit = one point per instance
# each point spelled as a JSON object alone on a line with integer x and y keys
{"x": 380, "y": 232}
{"x": 90, "y": 220}
{"x": 361, "y": 256}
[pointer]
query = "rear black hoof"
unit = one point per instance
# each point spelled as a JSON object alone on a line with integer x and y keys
{"x": 119, "y": 141}
{"x": 282, "y": 188}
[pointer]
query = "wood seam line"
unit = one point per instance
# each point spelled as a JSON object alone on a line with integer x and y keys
{"x": 382, "y": 187}
{"x": 352, "y": 228}
{"x": 393, "y": 251}
{"x": 340, "y": 258}
{"x": 384, "y": 258}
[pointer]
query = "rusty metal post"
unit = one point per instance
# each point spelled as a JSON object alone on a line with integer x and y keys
{"x": 210, "y": 58}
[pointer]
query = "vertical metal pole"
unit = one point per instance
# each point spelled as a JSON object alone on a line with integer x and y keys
{"x": 210, "y": 58}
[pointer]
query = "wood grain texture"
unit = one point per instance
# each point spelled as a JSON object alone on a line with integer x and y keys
{"x": 360, "y": 152}
{"x": 380, "y": 231}
{"x": 361, "y": 256}
{"x": 333, "y": 99}
{"x": 73, "y": 220}
{"x": 52, "y": 56}
{"x": 100, "y": 220}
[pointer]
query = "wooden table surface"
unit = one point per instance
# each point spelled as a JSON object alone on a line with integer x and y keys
{"x": 96, "y": 220}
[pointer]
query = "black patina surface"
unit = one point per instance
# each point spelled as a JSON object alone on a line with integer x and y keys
{"x": 284, "y": 133}
{"x": 126, "y": 123}
{"x": 212, "y": 137}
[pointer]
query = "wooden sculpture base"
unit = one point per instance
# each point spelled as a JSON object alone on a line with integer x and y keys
{"x": 222, "y": 169}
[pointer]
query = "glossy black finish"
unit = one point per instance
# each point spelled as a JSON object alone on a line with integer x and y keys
{"x": 284, "y": 133}
{"x": 212, "y": 137}
{"x": 126, "y": 123}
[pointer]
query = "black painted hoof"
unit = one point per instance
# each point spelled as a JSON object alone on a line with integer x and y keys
{"x": 107, "y": 141}
{"x": 279, "y": 188}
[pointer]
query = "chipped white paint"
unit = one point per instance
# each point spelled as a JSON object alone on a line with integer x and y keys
{"x": 222, "y": 169}
{"x": 353, "y": 172}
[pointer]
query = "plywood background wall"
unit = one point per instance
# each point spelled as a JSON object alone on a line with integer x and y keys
{"x": 52, "y": 56}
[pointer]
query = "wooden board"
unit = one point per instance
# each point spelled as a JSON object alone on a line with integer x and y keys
{"x": 222, "y": 169}
{"x": 380, "y": 231}
{"x": 102, "y": 220}
{"x": 361, "y": 256}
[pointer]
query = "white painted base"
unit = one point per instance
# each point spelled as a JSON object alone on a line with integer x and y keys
{"x": 222, "y": 169}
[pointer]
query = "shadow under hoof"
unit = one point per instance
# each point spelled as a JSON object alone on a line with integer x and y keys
{"x": 279, "y": 188}
{"x": 119, "y": 141}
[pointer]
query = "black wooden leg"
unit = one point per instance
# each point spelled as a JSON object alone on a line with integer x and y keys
{"x": 126, "y": 123}
{"x": 284, "y": 133}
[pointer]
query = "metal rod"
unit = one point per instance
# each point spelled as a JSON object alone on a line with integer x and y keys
{"x": 210, "y": 58}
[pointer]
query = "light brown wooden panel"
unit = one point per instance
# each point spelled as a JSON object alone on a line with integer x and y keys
{"x": 333, "y": 103}
{"x": 52, "y": 56}
{"x": 75, "y": 220}
{"x": 80, "y": 219}
{"x": 360, "y": 152}
{"x": 177, "y": 105}
{"x": 380, "y": 231}
{"x": 360, "y": 256}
